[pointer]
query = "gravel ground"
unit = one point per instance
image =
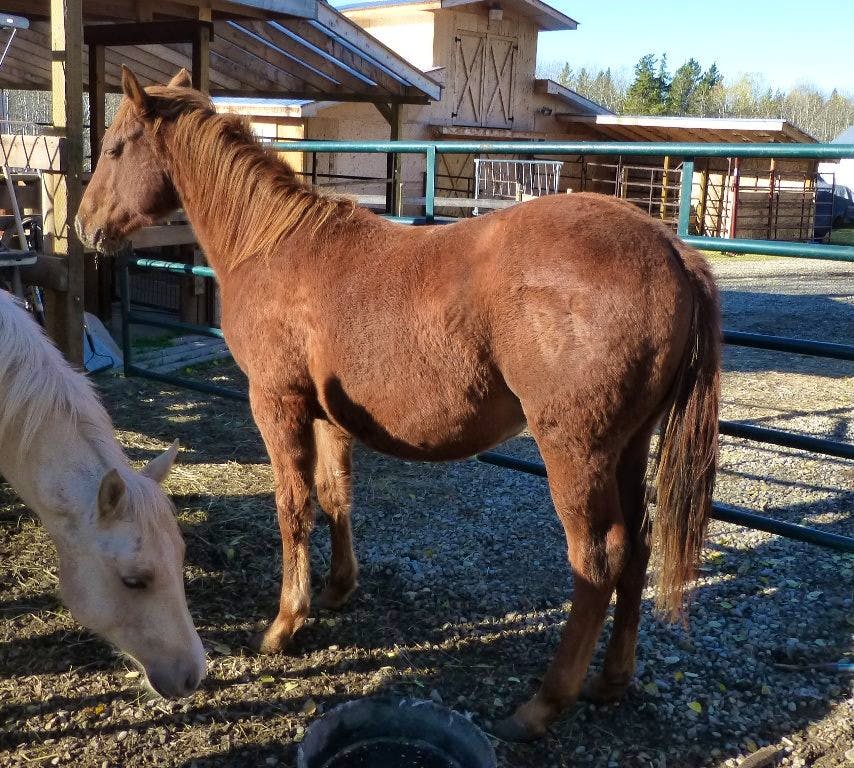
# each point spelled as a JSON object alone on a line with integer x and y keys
{"x": 465, "y": 589}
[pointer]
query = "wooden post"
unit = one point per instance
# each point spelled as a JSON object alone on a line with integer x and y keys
{"x": 772, "y": 178}
{"x": 193, "y": 301}
{"x": 704, "y": 197}
{"x": 61, "y": 192}
{"x": 735, "y": 185}
{"x": 97, "y": 104}
{"x": 202, "y": 59}
{"x": 665, "y": 178}
{"x": 97, "y": 272}
{"x": 394, "y": 187}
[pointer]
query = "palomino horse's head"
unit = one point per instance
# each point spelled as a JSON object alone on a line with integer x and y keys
{"x": 131, "y": 186}
{"x": 121, "y": 575}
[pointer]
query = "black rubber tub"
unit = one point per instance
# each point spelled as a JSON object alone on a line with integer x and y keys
{"x": 385, "y": 732}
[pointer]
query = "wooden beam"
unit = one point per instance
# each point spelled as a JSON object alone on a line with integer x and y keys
{"x": 394, "y": 189}
{"x": 49, "y": 272}
{"x": 97, "y": 104}
{"x": 236, "y": 62}
{"x": 345, "y": 55}
{"x": 146, "y": 32}
{"x": 249, "y": 42}
{"x": 201, "y": 69}
{"x": 144, "y": 66}
{"x": 340, "y": 25}
{"x": 61, "y": 193}
{"x": 292, "y": 43}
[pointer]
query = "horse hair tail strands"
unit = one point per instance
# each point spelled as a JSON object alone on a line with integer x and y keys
{"x": 687, "y": 452}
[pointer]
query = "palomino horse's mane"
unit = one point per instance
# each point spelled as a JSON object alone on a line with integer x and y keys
{"x": 38, "y": 387}
{"x": 254, "y": 196}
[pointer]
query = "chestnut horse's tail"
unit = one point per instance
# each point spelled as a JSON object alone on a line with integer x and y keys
{"x": 687, "y": 452}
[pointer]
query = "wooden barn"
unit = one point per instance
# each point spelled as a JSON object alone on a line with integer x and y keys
{"x": 484, "y": 55}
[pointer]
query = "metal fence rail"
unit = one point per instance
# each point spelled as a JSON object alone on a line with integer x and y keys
{"x": 686, "y": 151}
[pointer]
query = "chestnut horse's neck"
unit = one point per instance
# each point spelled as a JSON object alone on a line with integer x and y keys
{"x": 240, "y": 198}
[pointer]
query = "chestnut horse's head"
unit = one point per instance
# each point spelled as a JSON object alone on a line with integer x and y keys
{"x": 121, "y": 575}
{"x": 131, "y": 186}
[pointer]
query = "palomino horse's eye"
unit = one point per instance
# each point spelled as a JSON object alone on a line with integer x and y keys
{"x": 134, "y": 583}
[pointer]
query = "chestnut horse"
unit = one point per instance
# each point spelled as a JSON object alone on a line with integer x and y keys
{"x": 575, "y": 314}
{"x": 120, "y": 549}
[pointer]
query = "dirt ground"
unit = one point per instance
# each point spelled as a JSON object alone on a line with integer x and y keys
{"x": 464, "y": 590}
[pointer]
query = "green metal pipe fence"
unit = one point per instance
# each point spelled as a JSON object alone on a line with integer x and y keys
{"x": 688, "y": 152}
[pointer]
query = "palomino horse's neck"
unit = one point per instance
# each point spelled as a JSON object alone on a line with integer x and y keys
{"x": 56, "y": 439}
{"x": 241, "y": 200}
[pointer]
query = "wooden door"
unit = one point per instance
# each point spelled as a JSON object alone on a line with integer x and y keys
{"x": 484, "y": 72}
{"x": 468, "y": 78}
{"x": 499, "y": 70}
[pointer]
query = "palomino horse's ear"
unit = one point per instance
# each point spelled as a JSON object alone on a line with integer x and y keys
{"x": 133, "y": 90}
{"x": 111, "y": 496}
{"x": 158, "y": 468}
{"x": 181, "y": 80}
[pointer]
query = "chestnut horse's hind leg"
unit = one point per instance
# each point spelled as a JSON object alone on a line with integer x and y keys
{"x": 332, "y": 481}
{"x": 286, "y": 427}
{"x": 619, "y": 665}
{"x": 586, "y": 497}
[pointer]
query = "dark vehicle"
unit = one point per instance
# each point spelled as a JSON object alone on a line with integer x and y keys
{"x": 834, "y": 207}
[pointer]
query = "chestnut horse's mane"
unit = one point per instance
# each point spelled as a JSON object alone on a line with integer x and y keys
{"x": 255, "y": 197}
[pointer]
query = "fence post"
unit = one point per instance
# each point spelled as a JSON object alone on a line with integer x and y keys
{"x": 684, "y": 225}
{"x": 430, "y": 185}
{"x": 124, "y": 287}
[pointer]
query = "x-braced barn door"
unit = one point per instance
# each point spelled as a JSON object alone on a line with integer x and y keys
{"x": 485, "y": 68}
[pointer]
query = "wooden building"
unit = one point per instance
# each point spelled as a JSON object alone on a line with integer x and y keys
{"x": 484, "y": 55}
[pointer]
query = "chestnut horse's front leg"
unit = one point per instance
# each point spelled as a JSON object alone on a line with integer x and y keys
{"x": 286, "y": 426}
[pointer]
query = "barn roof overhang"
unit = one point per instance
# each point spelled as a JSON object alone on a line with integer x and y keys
{"x": 545, "y": 16}
{"x": 579, "y": 104}
{"x": 266, "y": 48}
{"x": 687, "y": 129}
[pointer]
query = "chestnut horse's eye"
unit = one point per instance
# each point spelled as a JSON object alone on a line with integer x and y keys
{"x": 113, "y": 151}
{"x": 134, "y": 582}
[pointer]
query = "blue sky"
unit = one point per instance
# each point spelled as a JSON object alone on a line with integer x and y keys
{"x": 788, "y": 42}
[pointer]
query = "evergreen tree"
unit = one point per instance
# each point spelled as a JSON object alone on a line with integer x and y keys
{"x": 647, "y": 93}
{"x": 708, "y": 96}
{"x": 683, "y": 88}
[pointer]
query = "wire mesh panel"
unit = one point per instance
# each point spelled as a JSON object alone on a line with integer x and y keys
{"x": 515, "y": 179}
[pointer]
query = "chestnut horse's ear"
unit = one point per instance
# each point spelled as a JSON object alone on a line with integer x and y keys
{"x": 159, "y": 467}
{"x": 133, "y": 90}
{"x": 111, "y": 496}
{"x": 181, "y": 80}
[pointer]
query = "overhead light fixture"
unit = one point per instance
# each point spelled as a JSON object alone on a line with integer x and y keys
{"x": 496, "y": 14}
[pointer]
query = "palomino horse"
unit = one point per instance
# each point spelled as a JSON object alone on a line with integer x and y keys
{"x": 575, "y": 313}
{"x": 120, "y": 551}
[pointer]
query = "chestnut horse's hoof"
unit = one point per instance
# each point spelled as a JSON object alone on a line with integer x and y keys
{"x": 601, "y": 691}
{"x": 334, "y": 598}
{"x": 276, "y": 639}
{"x": 513, "y": 729}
